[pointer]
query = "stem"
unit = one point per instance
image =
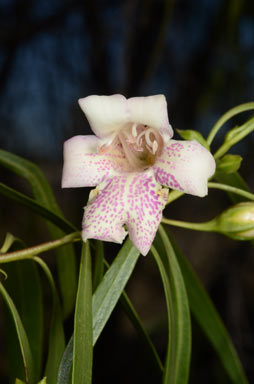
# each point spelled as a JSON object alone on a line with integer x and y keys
{"x": 225, "y": 147}
{"x": 228, "y": 188}
{"x": 173, "y": 195}
{"x": 224, "y": 118}
{"x": 29, "y": 253}
{"x": 208, "y": 226}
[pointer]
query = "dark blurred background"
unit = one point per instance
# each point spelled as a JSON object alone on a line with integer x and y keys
{"x": 200, "y": 54}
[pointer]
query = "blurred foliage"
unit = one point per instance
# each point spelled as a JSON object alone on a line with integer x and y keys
{"x": 200, "y": 54}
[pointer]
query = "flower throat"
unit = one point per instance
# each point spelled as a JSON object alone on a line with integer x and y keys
{"x": 135, "y": 147}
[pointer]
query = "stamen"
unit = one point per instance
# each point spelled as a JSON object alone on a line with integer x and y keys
{"x": 138, "y": 140}
{"x": 134, "y": 130}
{"x": 147, "y": 136}
{"x": 155, "y": 146}
{"x": 140, "y": 145}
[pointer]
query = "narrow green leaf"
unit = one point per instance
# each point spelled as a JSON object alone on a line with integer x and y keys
{"x": 36, "y": 207}
{"x": 176, "y": 370}
{"x": 66, "y": 363}
{"x": 111, "y": 286}
{"x": 5, "y": 276}
{"x": 229, "y": 163}
{"x": 8, "y": 241}
{"x": 210, "y": 322}
{"x": 14, "y": 355}
{"x": 143, "y": 334}
{"x": 137, "y": 324}
{"x": 43, "y": 381}
{"x": 83, "y": 331}
{"x": 98, "y": 264}
{"x": 189, "y": 134}
{"x": 18, "y": 381}
{"x": 64, "y": 373}
{"x": 24, "y": 286}
{"x": 66, "y": 262}
{"x": 22, "y": 337}
{"x": 56, "y": 333}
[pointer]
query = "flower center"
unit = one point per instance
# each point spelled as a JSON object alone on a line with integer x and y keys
{"x": 136, "y": 147}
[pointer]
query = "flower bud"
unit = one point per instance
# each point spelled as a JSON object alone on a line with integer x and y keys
{"x": 237, "y": 222}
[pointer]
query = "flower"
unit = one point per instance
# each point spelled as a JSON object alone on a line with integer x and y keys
{"x": 128, "y": 159}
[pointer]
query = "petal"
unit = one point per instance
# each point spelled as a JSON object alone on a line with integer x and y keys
{"x": 151, "y": 110}
{"x": 83, "y": 166}
{"x": 133, "y": 199}
{"x": 185, "y": 166}
{"x": 106, "y": 114}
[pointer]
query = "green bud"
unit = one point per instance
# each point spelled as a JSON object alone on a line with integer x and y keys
{"x": 237, "y": 222}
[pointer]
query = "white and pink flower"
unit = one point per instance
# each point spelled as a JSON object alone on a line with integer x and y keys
{"x": 128, "y": 160}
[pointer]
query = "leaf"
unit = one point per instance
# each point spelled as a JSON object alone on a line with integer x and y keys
{"x": 22, "y": 336}
{"x": 36, "y": 207}
{"x": 144, "y": 336}
{"x": 8, "y": 241}
{"x": 229, "y": 164}
{"x": 177, "y": 363}
{"x": 24, "y": 286}
{"x": 189, "y": 134}
{"x": 56, "y": 332}
{"x": 5, "y": 276}
{"x": 111, "y": 287}
{"x": 66, "y": 262}
{"x": 83, "y": 331}
{"x": 64, "y": 373}
{"x": 98, "y": 264}
{"x": 141, "y": 331}
{"x": 43, "y": 381}
{"x": 66, "y": 363}
{"x": 210, "y": 322}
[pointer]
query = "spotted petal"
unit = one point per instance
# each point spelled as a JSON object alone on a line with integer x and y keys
{"x": 151, "y": 110}
{"x": 185, "y": 166}
{"x": 132, "y": 199}
{"x": 106, "y": 114}
{"x": 83, "y": 165}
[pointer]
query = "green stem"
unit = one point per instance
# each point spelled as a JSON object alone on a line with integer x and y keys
{"x": 228, "y": 188}
{"x": 29, "y": 253}
{"x": 208, "y": 226}
{"x": 228, "y": 115}
{"x": 249, "y": 127}
{"x": 174, "y": 195}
